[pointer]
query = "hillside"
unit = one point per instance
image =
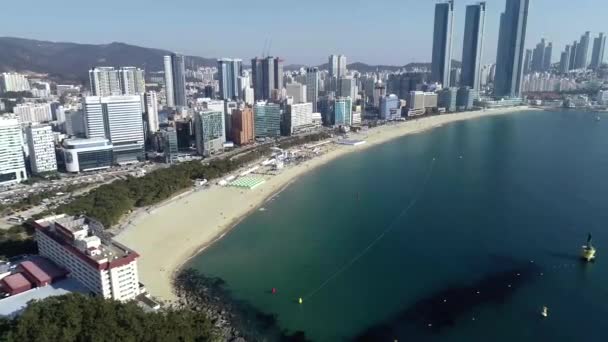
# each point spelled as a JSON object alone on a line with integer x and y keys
{"x": 71, "y": 61}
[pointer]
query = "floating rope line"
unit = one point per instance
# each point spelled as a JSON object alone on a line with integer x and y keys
{"x": 352, "y": 261}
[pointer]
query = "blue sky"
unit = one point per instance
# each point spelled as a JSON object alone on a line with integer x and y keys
{"x": 303, "y": 32}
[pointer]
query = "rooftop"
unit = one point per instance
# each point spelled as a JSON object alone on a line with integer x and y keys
{"x": 86, "y": 237}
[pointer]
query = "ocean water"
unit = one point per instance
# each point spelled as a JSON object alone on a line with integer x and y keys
{"x": 461, "y": 233}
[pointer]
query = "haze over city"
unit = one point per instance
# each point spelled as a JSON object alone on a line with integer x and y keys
{"x": 392, "y": 32}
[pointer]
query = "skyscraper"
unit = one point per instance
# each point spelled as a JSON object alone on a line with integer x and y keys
{"x": 117, "y": 118}
{"x": 167, "y": 61}
{"x": 151, "y": 110}
{"x": 528, "y": 61}
{"x": 442, "y": 43}
{"x": 564, "y": 61}
{"x": 581, "y": 53}
{"x": 472, "y": 48}
{"x": 573, "y": 52}
{"x": 333, "y": 66}
{"x": 267, "y": 119}
{"x": 547, "y": 57}
{"x": 242, "y": 126}
{"x": 12, "y": 166}
{"x": 175, "y": 80}
{"x": 209, "y": 132}
{"x": 343, "y": 111}
{"x": 510, "y": 54}
{"x": 267, "y": 75}
{"x": 104, "y": 81}
{"x": 597, "y": 56}
{"x": 229, "y": 71}
{"x": 132, "y": 81}
{"x": 312, "y": 87}
{"x": 341, "y": 66}
{"x": 538, "y": 56}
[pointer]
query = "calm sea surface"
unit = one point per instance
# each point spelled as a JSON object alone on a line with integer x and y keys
{"x": 388, "y": 243}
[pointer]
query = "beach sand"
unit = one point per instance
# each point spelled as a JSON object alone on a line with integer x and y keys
{"x": 170, "y": 234}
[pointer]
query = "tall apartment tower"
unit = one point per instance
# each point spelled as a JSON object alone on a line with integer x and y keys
{"x": 510, "y": 54}
{"x": 229, "y": 71}
{"x": 547, "y": 57}
{"x": 538, "y": 56}
{"x": 573, "y": 52}
{"x": 333, "y": 66}
{"x": 528, "y": 61}
{"x": 442, "y": 43}
{"x": 12, "y": 166}
{"x": 104, "y": 81}
{"x": 118, "y": 119}
{"x": 41, "y": 145}
{"x": 169, "y": 81}
{"x": 132, "y": 81}
{"x": 151, "y": 110}
{"x": 472, "y": 49}
{"x": 582, "y": 50}
{"x": 312, "y": 87}
{"x": 564, "y": 61}
{"x": 175, "y": 80}
{"x": 597, "y": 55}
{"x": 267, "y": 75}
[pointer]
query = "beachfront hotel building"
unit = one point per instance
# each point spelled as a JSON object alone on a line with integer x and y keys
{"x": 78, "y": 244}
{"x": 267, "y": 119}
{"x": 343, "y": 111}
{"x": 209, "y": 132}
{"x": 242, "y": 126}
{"x": 41, "y": 145}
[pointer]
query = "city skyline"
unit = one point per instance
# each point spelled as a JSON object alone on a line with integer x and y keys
{"x": 287, "y": 40}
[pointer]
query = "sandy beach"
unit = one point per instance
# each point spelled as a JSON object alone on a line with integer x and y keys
{"x": 168, "y": 235}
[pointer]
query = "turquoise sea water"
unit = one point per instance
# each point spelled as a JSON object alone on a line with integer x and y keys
{"x": 492, "y": 233}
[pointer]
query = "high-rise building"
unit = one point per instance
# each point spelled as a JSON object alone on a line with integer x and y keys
{"x": 538, "y": 56}
{"x": 209, "y": 132}
{"x": 312, "y": 87}
{"x": 564, "y": 61}
{"x": 13, "y": 82}
{"x": 267, "y": 75}
{"x": 343, "y": 111}
{"x": 267, "y": 119}
{"x": 104, "y": 81}
{"x": 229, "y": 71}
{"x": 573, "y": 52}
{"x": 118, "y": 119}
{"x": 151, "y": 110}
{"x": 547, "y": 57}
{"x": 442, "y": 43}
{"x": 528, "y": 62}
{"x": 597, "y": 55}
{"x": 297, "y": 117}
{"x": 582, "y": 50}
{"x": 170, "y": 147}
{"x": 390, "y": 107}
{"x": 510, "y": 53}
{"x": 167, "y": 62}
{"x": 447, "y": 98}
{"x": 74, "y": 123}
{"x": 41, "y": 145}
{"x": 80, "y": 245}
{"x": 297, "y": 91}
{"x": 82, "y": 155}
{"x": 337, "y": 66}
{"x": 175, "y": 80}
{"x": 242, "y": 126}
{"x": 472, "y": 49}
{"x": 347, "y": 87}
{"x": 132, "y": 81}
{"x": 12, "y": 166}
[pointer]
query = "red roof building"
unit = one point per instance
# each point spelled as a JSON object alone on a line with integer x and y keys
{"x": 15, "y": 284}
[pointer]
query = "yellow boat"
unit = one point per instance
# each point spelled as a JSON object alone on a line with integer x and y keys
{"x": 588, "y": 251}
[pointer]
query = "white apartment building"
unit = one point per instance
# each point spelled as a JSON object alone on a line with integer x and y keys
{"x": 132, "y": 81}
{"x": 13, "y": 82}
{"x": 33, "y": 112}
{"x": 299, "y": 116}
{"x": 12, "y": 166}
{"x": 104, "y": 81}
{"x": 168, "y": 64}
{"x": 117, "y": 118}
{"x": 41, "y": 145}
{"x": 297, "y": 91}
{"x": 78, "y": 244}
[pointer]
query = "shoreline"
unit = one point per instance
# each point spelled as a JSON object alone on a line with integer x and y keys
{"x": 167, "y": 239}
